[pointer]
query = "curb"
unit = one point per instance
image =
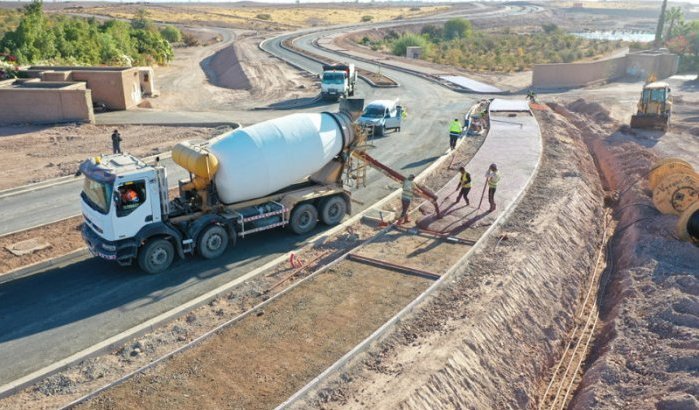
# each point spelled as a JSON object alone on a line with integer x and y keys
{"x": 316, "y": 59}
{"x": 383, "y": 331}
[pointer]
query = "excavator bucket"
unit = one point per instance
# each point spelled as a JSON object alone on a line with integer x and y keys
{"x": 649, "y": 122}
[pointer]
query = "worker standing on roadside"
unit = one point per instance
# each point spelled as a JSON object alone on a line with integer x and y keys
{"x": 492, "y": 177}
{"x": 116, "y": 142}
{"x": 406, "y": 198}
{"x": 464, "y": 186}
{"x": 455, "y": 130}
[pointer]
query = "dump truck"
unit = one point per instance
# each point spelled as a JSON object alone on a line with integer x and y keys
{"x": 282, "y": 172}
{"x": 654, "y": 107}
{"x": 338, "y": 81}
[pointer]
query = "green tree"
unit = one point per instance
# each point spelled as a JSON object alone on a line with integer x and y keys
{"x": 675, "y": 18}
{"x": 457, "y": 28}
{"x": 32, "y": 40}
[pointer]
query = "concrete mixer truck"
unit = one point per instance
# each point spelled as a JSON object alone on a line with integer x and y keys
{"x": 282, "y": 172}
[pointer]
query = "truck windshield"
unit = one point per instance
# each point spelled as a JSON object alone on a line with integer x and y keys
{"x": 97, "y": 194}
{"x": 374, "y": 112}
{"x": 333, "y": 77}
{"x": 655, "y": 95}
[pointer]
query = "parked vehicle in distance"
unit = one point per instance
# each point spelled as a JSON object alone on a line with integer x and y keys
{"x": 381, "y": 115}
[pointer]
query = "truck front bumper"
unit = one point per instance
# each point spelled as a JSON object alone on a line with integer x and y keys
{"x": 121, "y": 251}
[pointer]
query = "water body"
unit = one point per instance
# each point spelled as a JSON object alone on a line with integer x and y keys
{"x": 617, "y": 35}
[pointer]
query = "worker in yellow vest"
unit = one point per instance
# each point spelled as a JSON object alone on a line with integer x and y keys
{"x": 406, "y": 198}
{"x": 455, "y": 130}
{"x": 492, "y": 178}
{"x": 464, "y": 186}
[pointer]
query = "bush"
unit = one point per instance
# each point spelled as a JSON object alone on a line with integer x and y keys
{"x": 171, "y": 33}
{"x": 189, "y": 40}
{"x": 367, "y": 18}
{"x": 264, "y": 16}
{"x": 401, "y": 45}
{"x": 550, "y": 28}
{"x": 457, "y": 28}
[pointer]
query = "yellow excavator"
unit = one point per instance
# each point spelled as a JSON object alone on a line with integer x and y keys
{"x": 654, "y": 107}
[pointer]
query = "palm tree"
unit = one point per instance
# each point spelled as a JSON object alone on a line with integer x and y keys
{"x": 661, "y": 24}
{"x": 675, "y": 16}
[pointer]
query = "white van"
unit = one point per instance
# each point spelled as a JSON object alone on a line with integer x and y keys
{"x": 382, "y": 115}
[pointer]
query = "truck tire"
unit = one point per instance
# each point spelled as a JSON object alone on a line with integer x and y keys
{"x": 212, "y": 242}
{"x": 303, "y": 219}
{"x": 332, "y": 210}
{"x": 156, "y": 255}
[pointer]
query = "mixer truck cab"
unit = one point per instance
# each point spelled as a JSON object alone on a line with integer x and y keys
{"x": 381, "y": 115}
{"x": 282, "y": 172}
{"x": 338, "y": 80}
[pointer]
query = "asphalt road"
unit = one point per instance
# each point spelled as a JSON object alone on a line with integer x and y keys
{"x": 47, "y": 317}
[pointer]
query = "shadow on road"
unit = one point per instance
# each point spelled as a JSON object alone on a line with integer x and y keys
{"x": 95, "y": 296}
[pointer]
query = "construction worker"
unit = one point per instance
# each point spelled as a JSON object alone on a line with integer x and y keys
{"x": 455, "y": 130}
{"x": 492, "y": 177}
{"x": 464, "y": 185}
{"x": 406, "y": 198}
{"x": 129, "y": 197}
{"x": 116, "y": 142}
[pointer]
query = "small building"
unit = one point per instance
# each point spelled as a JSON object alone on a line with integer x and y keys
{"x": 117, "y": 88}
{"x": 413, "y": 52}
{"x": 44, "y": 102}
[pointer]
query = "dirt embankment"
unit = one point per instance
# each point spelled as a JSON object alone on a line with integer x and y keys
{"x": 489, "y": 338}
{"x": 646, "y": 352}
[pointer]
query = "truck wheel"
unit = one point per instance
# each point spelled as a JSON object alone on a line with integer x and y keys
{"x": 332, "y": 210}
{"x": 156, "y": 256}
{"x": 303, "y": 219}
{"x": 212, "y": 242}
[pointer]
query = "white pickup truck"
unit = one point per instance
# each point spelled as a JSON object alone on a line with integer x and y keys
{"x": 381, "y": 115}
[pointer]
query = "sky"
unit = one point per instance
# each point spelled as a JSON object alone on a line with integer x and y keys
{"x": 694, "y": 2}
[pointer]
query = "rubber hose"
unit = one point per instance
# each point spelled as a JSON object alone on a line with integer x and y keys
{"x": 693, "y": 226}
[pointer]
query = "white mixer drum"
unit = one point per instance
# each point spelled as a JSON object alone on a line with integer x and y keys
{"x": 263, "y": 158}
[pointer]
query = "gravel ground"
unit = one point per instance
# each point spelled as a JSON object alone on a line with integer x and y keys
{"x": 35, "y": 153}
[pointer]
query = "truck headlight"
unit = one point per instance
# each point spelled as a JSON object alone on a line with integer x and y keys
{"x": 108, "y": 247}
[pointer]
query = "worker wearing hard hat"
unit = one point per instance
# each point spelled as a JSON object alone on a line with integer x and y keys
{"x": 464, "y": 186}
{"x": 455, "y": 130}
{"x": 406, "y": 198}
{"x": 492, "y": 177}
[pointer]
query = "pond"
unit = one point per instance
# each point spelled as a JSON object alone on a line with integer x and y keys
{"x": 617, "y": 35}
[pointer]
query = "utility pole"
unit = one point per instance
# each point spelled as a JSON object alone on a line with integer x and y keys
{"x": 661, "y": 25}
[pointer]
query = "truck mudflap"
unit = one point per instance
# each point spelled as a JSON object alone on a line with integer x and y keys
{"x": 121, "y": 251}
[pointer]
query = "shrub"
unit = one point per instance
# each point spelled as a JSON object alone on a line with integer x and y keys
{"x": 457, "y": 28}
{"x": 367, "y": 18}
{"x": 171, "y": 33}
{"x": 264, "y": 16}
{"x": 408, "y": 40}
